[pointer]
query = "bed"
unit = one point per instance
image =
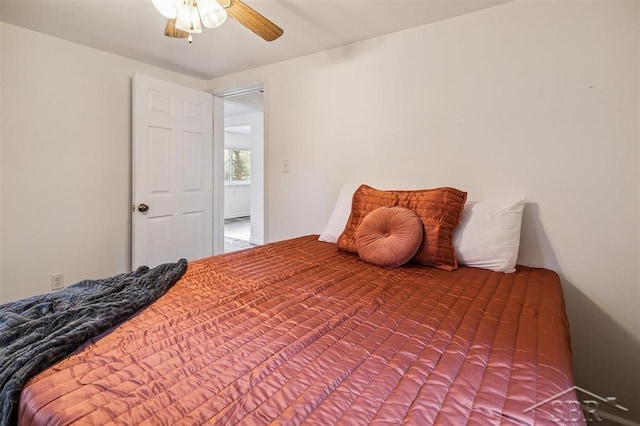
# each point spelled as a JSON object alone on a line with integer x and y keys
{"x": 299, "y": 332}
{"x": 373, "y": 322}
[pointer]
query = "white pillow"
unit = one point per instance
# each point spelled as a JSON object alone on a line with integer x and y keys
{"x": 488, "y": 236}
{"x": 340, "y": 214}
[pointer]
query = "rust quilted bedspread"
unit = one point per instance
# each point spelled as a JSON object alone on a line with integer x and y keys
{"x": 297, "y": 332}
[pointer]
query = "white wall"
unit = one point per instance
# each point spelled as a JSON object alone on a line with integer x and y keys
{"x": 237, "y": 197}
{"x": 256, "y": 142}
{"x": 533, "y": 98}
{"x": 237, "y": 201}
{"x": 236, "y": 140}
{"x": 1, "y": 133}
{"x": 65, "y": 160}
{"x": 638, "y": 121}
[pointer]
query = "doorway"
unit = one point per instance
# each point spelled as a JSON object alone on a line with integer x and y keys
{"x": 243, "y": 157}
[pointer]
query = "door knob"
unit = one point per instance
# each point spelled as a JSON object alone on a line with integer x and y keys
{"x": 143, "y": 208}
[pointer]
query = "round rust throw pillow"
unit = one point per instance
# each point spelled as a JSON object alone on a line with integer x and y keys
{"x": 389, "y": 236}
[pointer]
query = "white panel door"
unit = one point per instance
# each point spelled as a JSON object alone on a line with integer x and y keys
{"x": 172, "y": 172}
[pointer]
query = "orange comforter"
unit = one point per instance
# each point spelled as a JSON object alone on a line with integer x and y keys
{"x": 297, "y": 332}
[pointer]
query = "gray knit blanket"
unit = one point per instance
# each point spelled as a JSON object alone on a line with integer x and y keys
{"x": 41, "y": 330}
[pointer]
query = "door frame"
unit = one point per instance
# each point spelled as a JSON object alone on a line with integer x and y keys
{"x": 218, "y": 157}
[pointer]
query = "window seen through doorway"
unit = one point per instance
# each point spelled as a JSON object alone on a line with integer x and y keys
{"x": 237, "y": 166}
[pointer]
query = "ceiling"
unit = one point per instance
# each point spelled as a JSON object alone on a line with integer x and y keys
{"x": 134, "y": 29}
{"x": 245, "y": 103}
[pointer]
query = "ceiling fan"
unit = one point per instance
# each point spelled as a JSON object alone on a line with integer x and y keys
{"x": 188, "y": 16}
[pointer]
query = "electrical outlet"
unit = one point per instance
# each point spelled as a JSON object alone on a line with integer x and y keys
{"x": 285, "y": 166}
{"x": 57, "y": 281}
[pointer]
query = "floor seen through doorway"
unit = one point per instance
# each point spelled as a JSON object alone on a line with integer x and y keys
{"x": 237, "y": 232}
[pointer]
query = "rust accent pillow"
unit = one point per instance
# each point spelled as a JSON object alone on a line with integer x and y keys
{"x": 389, "y": 236}
{"x": 439, "y": 210}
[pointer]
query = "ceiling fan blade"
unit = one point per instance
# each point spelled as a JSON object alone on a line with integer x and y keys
{"x": 252, "y": 19}
{"x": 171, "y": 31}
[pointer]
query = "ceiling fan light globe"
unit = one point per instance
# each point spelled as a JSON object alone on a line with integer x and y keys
{"x": 188, "y": 19}
{"x": 167, "y": 8}
{"x": 213, "y": 15}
